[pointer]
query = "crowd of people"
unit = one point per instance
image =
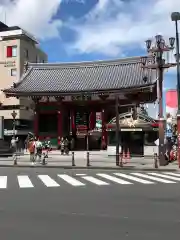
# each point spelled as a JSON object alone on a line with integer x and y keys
{"x": 171, "y": 139}
{"x": 39, "y": 150}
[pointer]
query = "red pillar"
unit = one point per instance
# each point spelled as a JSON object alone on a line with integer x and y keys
{"x": 59, "y": 126}
{"x": 36, "y": 124}
{"x": 92, "y": 120}
{"x": 72, "y": 122}
{"x": 104, "y": 132}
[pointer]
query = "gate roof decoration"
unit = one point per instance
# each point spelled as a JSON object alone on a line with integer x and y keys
{"x": 126, "y": 120}
{"x": 89, "y": 77}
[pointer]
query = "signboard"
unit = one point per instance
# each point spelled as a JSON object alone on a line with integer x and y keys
{"x": 98, "y": 120}
{"x": 81, "y": 119}
{"x": 171, "y": 102}
{"x": 17, "y": 132}
{"x": 131, "y": 129}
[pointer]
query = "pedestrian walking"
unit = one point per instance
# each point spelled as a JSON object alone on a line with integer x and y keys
{"x": 31, "y": 149}
{"x": 47, "y": 147}
{"x": 66, "y": 146}
{"x": 13, "y": 147}
{"x": 38, "y": 150}
{"x": 62, "y": 145}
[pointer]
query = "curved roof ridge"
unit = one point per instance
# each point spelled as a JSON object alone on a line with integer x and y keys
{"x": 119, "y": 61}
{"x": 121, "y": 115}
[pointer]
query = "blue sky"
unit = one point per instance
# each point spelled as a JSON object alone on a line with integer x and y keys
{"x": 85, "y": 30}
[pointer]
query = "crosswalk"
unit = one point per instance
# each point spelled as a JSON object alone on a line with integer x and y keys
{"x": 98, "y": 179}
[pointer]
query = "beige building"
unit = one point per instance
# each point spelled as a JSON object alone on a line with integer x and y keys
{"x": 16, "y": 48}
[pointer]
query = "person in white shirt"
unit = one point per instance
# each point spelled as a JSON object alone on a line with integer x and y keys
{"x": 38, "y": 149}
{"x": 14, "y": 147}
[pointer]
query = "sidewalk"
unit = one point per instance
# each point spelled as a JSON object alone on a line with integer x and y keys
{"x": 97, "y": 160}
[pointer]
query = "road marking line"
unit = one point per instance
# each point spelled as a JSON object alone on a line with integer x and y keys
{"x": 95, "y": 180}
{"x": 71, "y": 180}
{"x": 134, "y": 178}
{"x": 24, "y": 182}
{"x": 114, "y": 179}
{"x": 165, "y": 176}
{"x": 152, "y": 178}
{"x": 49, "y": 182}
{"x": 3, "y": 181}
{"x": 81, "y": 174}
{"x": 173, "y": 174}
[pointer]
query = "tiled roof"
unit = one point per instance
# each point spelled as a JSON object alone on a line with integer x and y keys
{"x": 83, "y": 77}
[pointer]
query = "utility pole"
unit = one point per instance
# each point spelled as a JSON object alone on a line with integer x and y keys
{"x": 157, "y": 62}
{"x": 175, "y": 17}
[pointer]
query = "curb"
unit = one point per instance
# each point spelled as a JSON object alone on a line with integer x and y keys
{"x": 91, "y": 167}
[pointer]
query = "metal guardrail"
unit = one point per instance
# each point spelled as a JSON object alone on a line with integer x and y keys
{"x": 86, "y": 158}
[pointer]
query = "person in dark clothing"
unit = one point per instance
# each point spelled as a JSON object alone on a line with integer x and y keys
{"x": 62, "y": 145}
{"x": 66, "y": 146}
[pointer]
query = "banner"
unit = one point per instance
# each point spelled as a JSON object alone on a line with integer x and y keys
{"x": 98, "y": 120}
{"x": 171, "y": 102}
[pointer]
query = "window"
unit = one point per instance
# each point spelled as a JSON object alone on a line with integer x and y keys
{"x": 13, "y": 72}
{"x": 11, "y": 51}
{"x": 14, "y": 51}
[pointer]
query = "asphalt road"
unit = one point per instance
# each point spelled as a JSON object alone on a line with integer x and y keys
{"x": 111, "y": 212}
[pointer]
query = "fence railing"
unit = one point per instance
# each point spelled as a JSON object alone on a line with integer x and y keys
{"x": 82, "y": 159}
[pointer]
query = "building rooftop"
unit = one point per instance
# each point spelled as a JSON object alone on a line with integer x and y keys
{"x": 6, "y": 31}
{"x": 87, "y": 77}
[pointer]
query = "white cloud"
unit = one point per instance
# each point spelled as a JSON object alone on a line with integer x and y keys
{"x": 34, "y": 16}
{"x": 114, "y": 25}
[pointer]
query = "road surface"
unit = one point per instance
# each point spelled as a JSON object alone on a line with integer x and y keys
{"x": 51, "y": 204}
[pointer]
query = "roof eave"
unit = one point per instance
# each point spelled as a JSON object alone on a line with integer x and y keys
{"x": 10, "y": 93}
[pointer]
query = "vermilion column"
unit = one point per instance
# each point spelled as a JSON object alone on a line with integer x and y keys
{"x": 72, "y": 122}
{"x": 36, "y": 123}
{"x": 92, "y": 120}
{"x": 104, "y": 132}
{"x": 59, "y": 125}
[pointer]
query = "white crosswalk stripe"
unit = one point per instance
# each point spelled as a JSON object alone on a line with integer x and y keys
{"x": 3, "y": 181}
{"x": 95, "y": 180}
{"x": 81, "y": 174}
{"x": 24, "y": 182}
{"x": 173, "y": 174}
{"x": 113, "y": 179}
{"x": 136, "y": 179}
{"x": 152, "y": 178}
{"x": 165, "y": 176}
{"x": 48, "y": 181}
{"x": 99, "y": 179}
{"x": 72, "y": 181}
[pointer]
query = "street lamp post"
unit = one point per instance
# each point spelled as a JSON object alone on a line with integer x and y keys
{"x": 14, "y": 114}
{"x": 117, "y": 130}
{"x": 175, "y": 17}
{"x": 156, "y": 61}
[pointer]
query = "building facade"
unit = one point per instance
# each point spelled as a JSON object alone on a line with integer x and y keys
{"x": 67, "y": 97}
{"x": 16, "y": 48}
